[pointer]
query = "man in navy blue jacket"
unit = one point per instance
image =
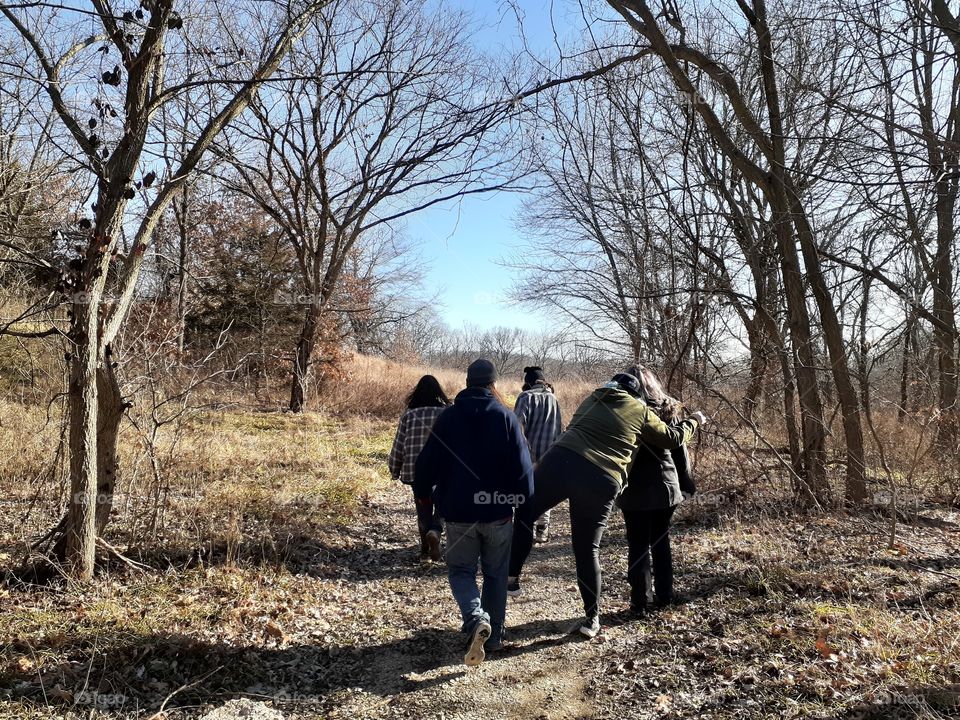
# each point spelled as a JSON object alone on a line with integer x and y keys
{"x": 476, "y": 466}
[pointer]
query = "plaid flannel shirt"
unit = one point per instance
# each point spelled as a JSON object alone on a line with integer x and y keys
{"x": 412, "y": 434}
{"x": 538, "y": 411}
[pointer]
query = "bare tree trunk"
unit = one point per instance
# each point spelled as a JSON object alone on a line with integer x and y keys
{"x": 110, "y": 409}
{"x": 792, "y": 212}
{"x": 909, "y": 350}
{"x": 79, "y": 547}
{"x": 945, "y": 332}
{"x": 759, "y": 363}
{"x": 183, "y": 221}
{"x": 302, "y": 356}
{"x": 813, "y": 424}
{"x": 771, "y": 182}
{"x": 944, "y": 337}
{"x": 790, "y": 419}
{"x": 855, "y": 486}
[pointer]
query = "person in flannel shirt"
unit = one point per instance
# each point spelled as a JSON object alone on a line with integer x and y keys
{"x": 538, "y": 411}
{"x": 424, "y": 405}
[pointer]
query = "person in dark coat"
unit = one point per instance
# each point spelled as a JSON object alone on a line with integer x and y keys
{"x": 476, "y": 467}
{"x": 656, "y": 483}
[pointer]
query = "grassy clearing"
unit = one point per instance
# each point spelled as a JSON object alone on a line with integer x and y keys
{"x": 282, "y": 570}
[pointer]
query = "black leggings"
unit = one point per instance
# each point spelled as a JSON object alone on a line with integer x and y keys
{"x": 648, "y": 537}
{"x": 428, "y": 518}
{"x": 563, "y": 474}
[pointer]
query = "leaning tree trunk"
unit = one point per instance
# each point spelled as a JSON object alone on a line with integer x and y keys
{"x": 856, "y": 486}
{"x": 302, "y": 357}
{"x": 790, "y": 215}
{"x": 80, "y": 531}
{"x": 813, "y": 425}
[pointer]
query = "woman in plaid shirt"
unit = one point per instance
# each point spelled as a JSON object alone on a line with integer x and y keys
{"x": 424, "y": 406}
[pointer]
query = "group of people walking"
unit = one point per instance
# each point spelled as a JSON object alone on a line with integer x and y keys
{"x": 493, "y": 475}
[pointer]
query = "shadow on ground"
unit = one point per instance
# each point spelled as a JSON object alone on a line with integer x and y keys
{"x": 145, "y": 672}
{"x": 919, "y": 703}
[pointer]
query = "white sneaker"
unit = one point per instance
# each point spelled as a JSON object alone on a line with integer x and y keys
{"x": 590, "y": 627}
{"x": 475, "y": 652}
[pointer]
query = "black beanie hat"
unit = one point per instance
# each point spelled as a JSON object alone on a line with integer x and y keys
{"x": 533, "y": 374}
{"x": 481, "y": 372}
{"x": 628, "y": 383}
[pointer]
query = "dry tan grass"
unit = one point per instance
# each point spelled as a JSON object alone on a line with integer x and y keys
{"x": 379, "y": 387}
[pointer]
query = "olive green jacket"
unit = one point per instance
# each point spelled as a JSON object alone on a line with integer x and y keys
{"x": 610, "y": 423}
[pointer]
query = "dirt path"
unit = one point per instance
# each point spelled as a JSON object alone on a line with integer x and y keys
{"x": 419, "y": 671}
{"x": 790, "y": 616}
{"x": 786, "y": 618}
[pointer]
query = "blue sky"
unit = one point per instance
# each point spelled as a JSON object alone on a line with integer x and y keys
{"x": 463, "y": 242}
{"x": 463, "y": 245}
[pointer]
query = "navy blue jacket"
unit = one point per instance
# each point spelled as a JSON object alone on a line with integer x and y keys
{"x": 476, "y": 463}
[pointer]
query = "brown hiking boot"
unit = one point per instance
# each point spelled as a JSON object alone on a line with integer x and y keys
{"x": 433, "y": 545}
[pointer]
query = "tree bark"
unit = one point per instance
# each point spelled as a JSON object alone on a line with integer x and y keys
{"x": 813, "y": 424}
{"x": 80, "y": 531}
{"x": 760, "y": 347}
{"x": 183, "y": 219}
{"x": 909, "y": 351}
{"x": 944, "y": 335}
{"x": 855, "y": 477}
{"x": 302, "y": 357}
{"x": 110, "y": 409}
{"x": 792, "y": 211}
{"x": 772, "y": 184}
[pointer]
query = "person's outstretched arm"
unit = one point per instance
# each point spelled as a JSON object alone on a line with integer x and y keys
{"x": 657, "y": 433}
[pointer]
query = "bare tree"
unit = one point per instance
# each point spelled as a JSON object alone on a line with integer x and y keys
{"x": 911, "y": 141}
{"x": 386, "y": 117}
{"x": 132, "y": 54}
{"x": 381, "y": 290}
{"x": 775, "y": 174}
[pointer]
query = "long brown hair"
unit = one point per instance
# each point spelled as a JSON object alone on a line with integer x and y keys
{"x": 669, "y": 409}
{"x": 495, "y": 391}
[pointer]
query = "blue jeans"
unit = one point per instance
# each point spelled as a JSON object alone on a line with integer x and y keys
{"x": 488, "y": 544}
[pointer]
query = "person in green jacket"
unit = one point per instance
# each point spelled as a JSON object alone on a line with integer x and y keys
{"x": 588, "y": 466}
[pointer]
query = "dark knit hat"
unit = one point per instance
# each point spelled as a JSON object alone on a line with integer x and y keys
{"x": 481, "y": 372}
{"x": 628, "y": 383}
{"x": 533, "y": 374}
